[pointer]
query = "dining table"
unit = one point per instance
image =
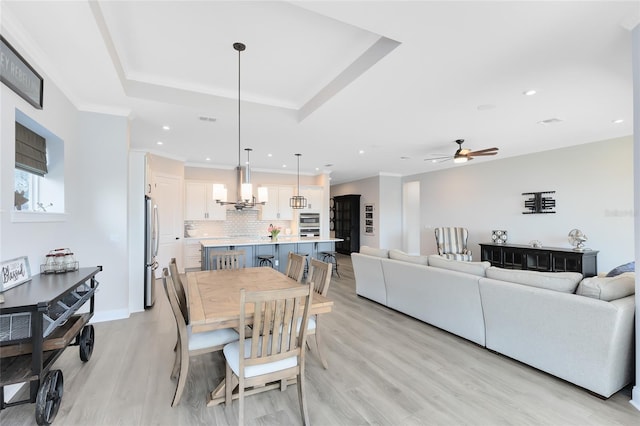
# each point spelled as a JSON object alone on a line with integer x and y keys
{"x": 214, "y": 302}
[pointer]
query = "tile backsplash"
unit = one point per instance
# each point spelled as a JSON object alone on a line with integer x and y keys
{"x": 238, "y": 224}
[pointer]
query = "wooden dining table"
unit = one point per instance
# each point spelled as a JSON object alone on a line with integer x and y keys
{"x": 214, "y": 301}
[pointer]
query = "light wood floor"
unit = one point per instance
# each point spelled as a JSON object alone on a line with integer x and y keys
{"x": 384, "y": 368}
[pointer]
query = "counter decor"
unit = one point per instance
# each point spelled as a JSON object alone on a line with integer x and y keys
{"x": 274, "y": 231}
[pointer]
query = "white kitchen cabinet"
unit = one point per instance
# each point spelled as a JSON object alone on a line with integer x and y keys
{"x": 277, "y": 208}
{"x": 199, "y": 203}
{"x": 192, "y": 255}
{"x": 314, "y": 195}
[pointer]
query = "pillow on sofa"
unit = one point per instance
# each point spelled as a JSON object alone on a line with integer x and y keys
{"x": 627, "y": 267}
{"x": 370, "y": 251}
{"x": 474, "y": 268}
{"x": 608, "y": 288}
{"x": 400, "y": 255}
{"x": 565, "y": 282}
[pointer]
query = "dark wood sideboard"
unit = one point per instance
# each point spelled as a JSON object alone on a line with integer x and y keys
{"x": 546, "y": 259}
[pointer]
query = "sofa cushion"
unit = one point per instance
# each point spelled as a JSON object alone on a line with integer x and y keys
{"x": 608, "y": 288}
{"x": 400, "y": 255}
{"x": 565, "y": 282}
{"x": 627, "y": 267}
{"x": 474, "y": 268}
{"x": 371, "y": 251}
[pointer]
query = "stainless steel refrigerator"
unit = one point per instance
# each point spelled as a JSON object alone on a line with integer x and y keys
{"x": 151, "y": 244}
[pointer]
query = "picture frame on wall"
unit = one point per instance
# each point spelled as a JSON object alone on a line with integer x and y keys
{"x": 369, "y": 212}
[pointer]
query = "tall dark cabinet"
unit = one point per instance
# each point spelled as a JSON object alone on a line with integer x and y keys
{"x": 347, "y": 223}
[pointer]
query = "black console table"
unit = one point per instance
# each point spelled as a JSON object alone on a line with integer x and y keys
{"x": 548, "y": 259}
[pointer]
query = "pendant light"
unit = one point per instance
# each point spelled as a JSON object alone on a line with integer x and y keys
{"x": 244, "y": 189}
{"x": 298, "y": 201}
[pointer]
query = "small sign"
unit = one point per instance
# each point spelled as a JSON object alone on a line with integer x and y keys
{"x": 14, "y": 272}
{"x": 19, "y": 76}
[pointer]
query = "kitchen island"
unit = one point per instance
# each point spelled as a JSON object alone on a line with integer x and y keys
{"x": 279, "y": 249}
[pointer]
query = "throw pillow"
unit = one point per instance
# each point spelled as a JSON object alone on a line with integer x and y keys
{"x": 474, "y": 268}
{"x": 608, "y": 288}
{"x": 400, "y": 255}
{"x": 565, "y": 282}
{"x": 371, "y": 251}
{"x": 627, "y": 267}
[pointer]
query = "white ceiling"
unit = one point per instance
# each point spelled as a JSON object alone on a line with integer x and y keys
{"x": 398, "y": 80}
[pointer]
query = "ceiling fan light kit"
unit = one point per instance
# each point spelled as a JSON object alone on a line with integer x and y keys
{"x": 464, "y": 155}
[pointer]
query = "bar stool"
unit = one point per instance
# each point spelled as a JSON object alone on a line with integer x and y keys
{"x": 330, "y": 257}
{"x": 265, "y": 260}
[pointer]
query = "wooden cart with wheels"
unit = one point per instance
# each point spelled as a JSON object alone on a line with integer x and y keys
{"x": 38, "y": 320}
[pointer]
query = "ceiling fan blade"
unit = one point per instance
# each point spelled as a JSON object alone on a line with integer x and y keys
{"x": 438, "y": 159}
{"x": 487, "y": 151}
{"x": 480, "y": 153}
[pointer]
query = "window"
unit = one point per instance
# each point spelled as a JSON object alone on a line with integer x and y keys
{"x": 39, "y": 171}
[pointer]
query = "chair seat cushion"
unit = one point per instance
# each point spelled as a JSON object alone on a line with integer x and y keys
{"x": 232, "y": 355}
{"x": 211, "y": 338}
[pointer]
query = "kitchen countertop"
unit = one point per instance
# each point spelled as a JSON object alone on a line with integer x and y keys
{"x": 252, "y": 241}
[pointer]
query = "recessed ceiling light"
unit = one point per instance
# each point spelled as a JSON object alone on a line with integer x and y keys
{"x": 361, "y": 151}
{"x": 165, "y": 127}
{"x": 317, "y": 168}
{"x": 617, "y": 121}
{"x": 550, "y": 121}
{"x": 529, "y": 92}
{"x": 159, "y": 143}
{"x": 207, "y": 159}
{"x": 284, "y": 166}
{"x": 269, "y": 155}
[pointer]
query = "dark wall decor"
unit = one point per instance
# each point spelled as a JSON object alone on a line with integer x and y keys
{"x": 537, "y": 203}
{"x": 19, "y": 76}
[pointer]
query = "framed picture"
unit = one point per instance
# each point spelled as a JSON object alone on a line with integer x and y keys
{"x": 14, "y": 272}
{"x": 19, "y": 76}
{"x": 369, "y": 212}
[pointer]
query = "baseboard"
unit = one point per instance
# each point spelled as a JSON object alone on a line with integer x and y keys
{"x": 635, "y": 397}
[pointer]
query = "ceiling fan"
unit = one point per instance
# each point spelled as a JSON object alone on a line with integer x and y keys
{"x": 464, "y": 155}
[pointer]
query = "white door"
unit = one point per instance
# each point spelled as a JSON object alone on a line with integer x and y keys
{"x": 168, "y": 195}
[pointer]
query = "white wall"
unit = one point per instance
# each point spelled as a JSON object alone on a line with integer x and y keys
{"x": 594, "y": 193}
{"x": 369, "y": 190}
{"x": 95, "y": 224}
{"x": 636, "y": 126}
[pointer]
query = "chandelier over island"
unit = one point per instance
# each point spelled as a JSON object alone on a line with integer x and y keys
{"x": 244, "y": 188}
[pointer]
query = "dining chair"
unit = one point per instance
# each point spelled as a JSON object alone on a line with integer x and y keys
{"x": 230, "y": 259}
{"x": 452, "y": 243}
{"x": 320, "y": 278}
{"x": 295, "y": 266}
{"x": 275, "y": 349}
{"x": 190, "y": 344}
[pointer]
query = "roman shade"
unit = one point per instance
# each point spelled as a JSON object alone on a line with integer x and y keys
{"x": 31, "y": 151}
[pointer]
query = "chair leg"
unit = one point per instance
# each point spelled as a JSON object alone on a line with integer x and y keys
{"x": 182, "y": 377}
{"x": 176, "y": 362}
{"x": 241, "y": 402}
{"x": 228, "y": 386}
{"x": 301, "y": 397}
{"x": 317, "y": 340}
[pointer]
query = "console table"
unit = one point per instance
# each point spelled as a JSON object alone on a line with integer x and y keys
{"x": 547, "y": 259}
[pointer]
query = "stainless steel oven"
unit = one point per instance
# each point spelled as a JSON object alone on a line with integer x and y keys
{"x": 309, "y": 224}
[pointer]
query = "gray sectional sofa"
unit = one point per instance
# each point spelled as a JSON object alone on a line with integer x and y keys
{"x": 580, "y": 330}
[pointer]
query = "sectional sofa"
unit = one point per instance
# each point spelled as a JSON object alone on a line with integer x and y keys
{"x": 580, "y": 330}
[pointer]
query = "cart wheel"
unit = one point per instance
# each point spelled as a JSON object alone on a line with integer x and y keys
{"x": 49, "y": 397}
{"x": 86, "y": 342}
